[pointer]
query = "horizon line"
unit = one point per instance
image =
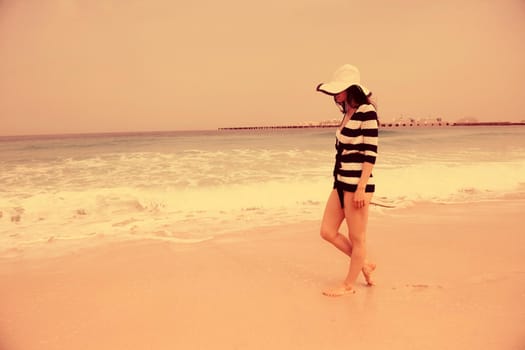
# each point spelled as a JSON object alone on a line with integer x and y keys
{"x": 282, "y": 126}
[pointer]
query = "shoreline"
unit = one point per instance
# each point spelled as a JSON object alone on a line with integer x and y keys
{"x": 449, "y": 276}
{"x": 54, "y": 246}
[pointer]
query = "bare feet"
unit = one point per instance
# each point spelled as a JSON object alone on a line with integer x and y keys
{"x": 339, "y": 291}
{"x": 367, "y": 272}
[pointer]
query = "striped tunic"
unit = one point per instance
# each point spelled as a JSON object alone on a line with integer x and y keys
{"x": 356, "y": 143}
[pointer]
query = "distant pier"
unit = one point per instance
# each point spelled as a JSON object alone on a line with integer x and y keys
{"x": 490, "y": 124}
{"x": 278, "y": 127}
{"x": 383, "y": 125}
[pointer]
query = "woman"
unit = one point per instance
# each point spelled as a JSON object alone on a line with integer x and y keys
{"x": 356, "y": 144}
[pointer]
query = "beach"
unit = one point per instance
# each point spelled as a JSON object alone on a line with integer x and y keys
{"x": 165, "y": 169}
{"x": 448, "y": 277}
{"x": 210, "y": 240}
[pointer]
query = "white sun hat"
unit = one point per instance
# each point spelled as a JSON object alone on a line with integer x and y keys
{"x": 344, "y": 77}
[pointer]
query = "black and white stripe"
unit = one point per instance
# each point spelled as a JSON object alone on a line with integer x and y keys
{"x": 356, "y": 143}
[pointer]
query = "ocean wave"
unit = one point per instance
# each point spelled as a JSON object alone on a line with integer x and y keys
{"x": 197, "y": 187}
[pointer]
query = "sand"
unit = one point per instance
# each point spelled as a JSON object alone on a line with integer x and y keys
{"x": 448, "y": 277}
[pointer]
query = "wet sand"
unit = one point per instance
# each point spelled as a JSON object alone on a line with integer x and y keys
{"x": 448, "y": 277}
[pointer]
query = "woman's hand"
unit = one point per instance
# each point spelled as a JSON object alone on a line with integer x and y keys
{"x": 359, "y": 198}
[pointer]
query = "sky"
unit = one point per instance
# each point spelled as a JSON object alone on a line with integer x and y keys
{"x": 79, "y": 66}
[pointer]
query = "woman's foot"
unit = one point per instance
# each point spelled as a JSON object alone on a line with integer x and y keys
{"x": 367, "y": 272}
{"x": 339, "y": 291}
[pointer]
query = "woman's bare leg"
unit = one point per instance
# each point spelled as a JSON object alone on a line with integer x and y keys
{"x": 332, "y": 219}
{"x": 357, "y": 220}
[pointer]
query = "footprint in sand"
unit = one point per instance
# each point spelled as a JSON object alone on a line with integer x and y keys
{"x": 17, "y": 215}
{"x": 487, "y": 278}
{"x": 422, "y": 286}
{"x": 81, "y": 212}
{"x": 124, "y": 223}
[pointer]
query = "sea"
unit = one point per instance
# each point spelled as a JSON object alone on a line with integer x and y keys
{"x": 188, "y": 187}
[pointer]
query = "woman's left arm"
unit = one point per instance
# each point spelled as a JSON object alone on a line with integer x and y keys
{"x": 370, "y": 131}
{"x": 365, "y": 175}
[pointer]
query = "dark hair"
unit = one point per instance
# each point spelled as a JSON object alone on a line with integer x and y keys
{"x": 355, "y": 96}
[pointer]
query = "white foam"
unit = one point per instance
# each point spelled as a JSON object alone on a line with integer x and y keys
{"x": 183, "y": 193}
{"x": 448, "y": 182}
